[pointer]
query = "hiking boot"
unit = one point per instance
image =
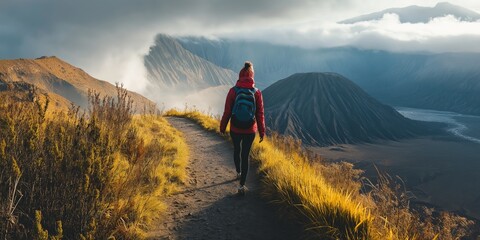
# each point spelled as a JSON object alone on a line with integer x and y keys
{"x": 242, "y": 190}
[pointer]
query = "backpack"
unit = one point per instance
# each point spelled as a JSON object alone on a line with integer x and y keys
{"x": 244, "y": 108}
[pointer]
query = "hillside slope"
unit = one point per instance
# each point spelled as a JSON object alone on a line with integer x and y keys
{"x": 327, "y": 108}
{"x": 25, "y": 92}
{"x": 56, "y": 76}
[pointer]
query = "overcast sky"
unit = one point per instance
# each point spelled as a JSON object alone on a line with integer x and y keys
{"x": 108, "y": 38}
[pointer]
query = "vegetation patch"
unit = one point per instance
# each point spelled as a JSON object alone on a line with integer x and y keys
{"x": 100, "y": 174}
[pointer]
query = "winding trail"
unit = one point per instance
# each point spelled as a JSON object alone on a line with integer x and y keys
{"x": 208, "y": 206}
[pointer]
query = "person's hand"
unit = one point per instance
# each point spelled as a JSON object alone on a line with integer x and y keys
{"x": 261, "y": 139}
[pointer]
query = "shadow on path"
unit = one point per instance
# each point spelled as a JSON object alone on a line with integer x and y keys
{"x": 204, "y": 187}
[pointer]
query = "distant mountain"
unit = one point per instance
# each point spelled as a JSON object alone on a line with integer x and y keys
{"x": 170, "y": 65}
{"x": 327, "y": 108}
{"x": 271, "y": 62}
{"x": 57, "y": 78}
{"x": 417, "y": 14}
{"x": 175, "y": 73}
{"x": 447, "y": 81}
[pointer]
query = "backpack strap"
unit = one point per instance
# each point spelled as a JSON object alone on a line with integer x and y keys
{"x": 251, "y": 90}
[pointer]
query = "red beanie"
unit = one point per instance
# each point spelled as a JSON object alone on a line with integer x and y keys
{"x": 246, "y": 74}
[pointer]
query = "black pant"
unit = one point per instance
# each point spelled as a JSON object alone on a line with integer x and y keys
{"x": 242, "y": 144}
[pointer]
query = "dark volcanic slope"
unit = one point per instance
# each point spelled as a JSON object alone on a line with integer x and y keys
{"x": 327, "y": 108}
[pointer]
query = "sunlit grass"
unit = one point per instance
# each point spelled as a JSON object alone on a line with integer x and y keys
{"x": 99, "y": 174}
{"x": 166, "y": 143}
{"x": 160, "y": 172}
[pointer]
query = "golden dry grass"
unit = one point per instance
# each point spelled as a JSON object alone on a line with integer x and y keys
{"x": 144, "y": 184}
{"x": 97, "y": 175}
{"x": 168, "y": 145}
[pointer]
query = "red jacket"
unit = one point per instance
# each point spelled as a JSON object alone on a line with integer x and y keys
{"x": 245, "y": 81}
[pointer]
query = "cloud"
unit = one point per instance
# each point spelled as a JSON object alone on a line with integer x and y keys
{"x": 443, "y": 34}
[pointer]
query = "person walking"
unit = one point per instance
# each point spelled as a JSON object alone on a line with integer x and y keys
{"x": 244, "y": 110}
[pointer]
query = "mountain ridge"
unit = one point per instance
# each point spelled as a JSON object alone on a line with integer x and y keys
{"x": 419, "y": 14}
{"x": 170, "y": 65}
{"x": 53, "y": 75}
{"x": 327, "y": 109}
{"x": 183, "y": 77}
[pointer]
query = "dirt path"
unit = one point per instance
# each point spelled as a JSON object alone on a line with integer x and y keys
{"x": 208, "y": 207}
